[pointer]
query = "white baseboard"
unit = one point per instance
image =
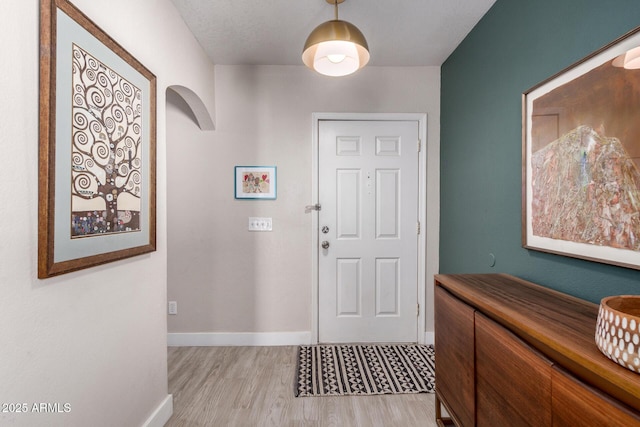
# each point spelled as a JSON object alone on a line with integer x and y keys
{"x": 211, "y": 339}
{"x": 429, "y": 338}
{"x": 162, "y": 413}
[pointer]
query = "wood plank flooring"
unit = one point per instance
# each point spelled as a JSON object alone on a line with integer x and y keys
{"x": 254, "y": 386}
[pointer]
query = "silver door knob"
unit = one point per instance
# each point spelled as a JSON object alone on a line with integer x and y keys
{"x": 325, "y": 245}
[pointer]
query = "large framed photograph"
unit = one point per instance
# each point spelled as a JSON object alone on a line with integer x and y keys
{"x": 581, "y": 158}
{"x": 255, "y": 182}
{"x": 97, "y": 146}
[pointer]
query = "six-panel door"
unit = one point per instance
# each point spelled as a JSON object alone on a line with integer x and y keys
{"x": 368, "y": 262}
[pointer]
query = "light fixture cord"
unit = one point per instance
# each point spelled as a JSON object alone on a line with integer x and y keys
{"x": 336, "y": 9}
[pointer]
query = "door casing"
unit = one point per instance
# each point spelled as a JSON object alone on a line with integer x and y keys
{"x": 422, "y": 186}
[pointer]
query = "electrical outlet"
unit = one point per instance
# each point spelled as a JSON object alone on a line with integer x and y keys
{"x": 260, "y": 224}
{"x": 173, "y": 307}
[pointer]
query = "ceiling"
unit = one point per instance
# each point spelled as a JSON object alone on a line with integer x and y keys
{"x": 273, "y": 32}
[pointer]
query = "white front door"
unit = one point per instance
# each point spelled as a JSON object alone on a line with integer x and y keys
{"x": 368, "y": 231}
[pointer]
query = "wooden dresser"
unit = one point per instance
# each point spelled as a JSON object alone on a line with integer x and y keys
{"x": 513, "y": 353}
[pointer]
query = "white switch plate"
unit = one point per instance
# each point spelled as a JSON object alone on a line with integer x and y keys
{"x": 260, "y": 224}
{"x": 173, "y": 307}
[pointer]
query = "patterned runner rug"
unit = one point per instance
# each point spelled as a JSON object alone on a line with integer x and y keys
{"x": 334, "y": 370}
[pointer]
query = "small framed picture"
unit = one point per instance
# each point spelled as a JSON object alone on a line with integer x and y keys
{"x": 255, "y": 182}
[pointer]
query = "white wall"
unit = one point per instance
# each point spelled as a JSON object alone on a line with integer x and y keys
{"x": 226, "y": 279}
{"x": 95, "y": 339}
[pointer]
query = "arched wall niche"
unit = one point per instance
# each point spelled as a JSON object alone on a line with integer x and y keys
{"x": 201, "y": 114}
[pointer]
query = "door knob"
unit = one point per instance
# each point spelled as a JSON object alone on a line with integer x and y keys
{"x": 325, "y": 245}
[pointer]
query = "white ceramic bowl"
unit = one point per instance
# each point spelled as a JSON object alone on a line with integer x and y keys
{"x": 618, "y": 330}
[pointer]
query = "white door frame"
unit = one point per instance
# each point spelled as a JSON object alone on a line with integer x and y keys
{"x": 422, "y": 207}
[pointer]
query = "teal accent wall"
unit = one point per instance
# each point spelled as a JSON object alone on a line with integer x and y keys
{"x": 516, "y": 45}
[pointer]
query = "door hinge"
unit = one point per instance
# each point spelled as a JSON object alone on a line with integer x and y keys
{"x": 419, "y": 145}
{"x": 418, "y": 227}
{"x": 418, "y": 309}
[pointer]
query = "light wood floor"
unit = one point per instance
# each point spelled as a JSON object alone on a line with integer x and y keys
{"x": 253, "y": 386}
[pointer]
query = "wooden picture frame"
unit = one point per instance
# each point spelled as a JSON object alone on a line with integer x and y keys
{"x": 97, "y": 164}
{"x": 255, "y": 182}
{"x": 581, "y": 158}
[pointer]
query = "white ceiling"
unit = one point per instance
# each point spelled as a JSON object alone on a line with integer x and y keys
{"x": 273, "y": 32}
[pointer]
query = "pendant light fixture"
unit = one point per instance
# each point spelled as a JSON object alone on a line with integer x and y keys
{"x": 335, "y": 48}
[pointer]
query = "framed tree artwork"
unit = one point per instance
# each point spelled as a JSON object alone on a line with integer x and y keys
{"x": 97, "y": 146}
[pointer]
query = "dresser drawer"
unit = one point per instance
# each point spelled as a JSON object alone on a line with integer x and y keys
{"x": 454, "y": 341}
{"x": 577, "y": 404}
{"x": 513, "y": 381}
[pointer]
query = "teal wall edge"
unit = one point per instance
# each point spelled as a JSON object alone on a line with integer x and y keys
{"x": 515, "y": 46}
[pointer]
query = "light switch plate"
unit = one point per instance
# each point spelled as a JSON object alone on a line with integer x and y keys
{"x": 260, "y": 224}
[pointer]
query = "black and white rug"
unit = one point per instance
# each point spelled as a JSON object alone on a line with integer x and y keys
{"x": 334, "y": 370}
